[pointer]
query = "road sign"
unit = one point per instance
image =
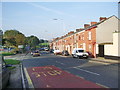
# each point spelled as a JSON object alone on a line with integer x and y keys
{"x": 53, "y": 77}
{"x": 20, "y": 46}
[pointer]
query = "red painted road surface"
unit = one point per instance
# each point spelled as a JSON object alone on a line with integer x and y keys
{"x": 53, "y": 77}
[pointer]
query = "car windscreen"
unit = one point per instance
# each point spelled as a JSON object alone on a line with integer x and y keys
{"x": 80, "y": 50}
{"x": 36, "y": 52}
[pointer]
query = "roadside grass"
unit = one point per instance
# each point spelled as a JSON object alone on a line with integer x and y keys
{"x": 7, "y": 53}
{"x": 12, "y": 61}
{"x": 44, "y": 44}
{"x": 10, "y": 68}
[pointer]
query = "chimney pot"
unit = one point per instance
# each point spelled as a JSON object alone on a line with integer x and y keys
{"x": 92, "y": 23}
{"x": 86, "y": 25}
{"x": 102, "y": 18}
{"x": 77, "y": 30}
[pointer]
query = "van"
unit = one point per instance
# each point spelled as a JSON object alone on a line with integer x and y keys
{"x": 79, "y": 53}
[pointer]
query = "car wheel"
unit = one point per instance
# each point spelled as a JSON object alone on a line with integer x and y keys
{"x": 79, "y": 57}
{"x": 73, "y": 55}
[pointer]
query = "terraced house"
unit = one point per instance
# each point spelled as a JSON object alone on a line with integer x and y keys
{"x": 98, "y": 38}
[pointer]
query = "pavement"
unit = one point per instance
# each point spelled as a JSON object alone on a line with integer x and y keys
{"x": 15, "y": 78}
{"x": 100, "y": 59}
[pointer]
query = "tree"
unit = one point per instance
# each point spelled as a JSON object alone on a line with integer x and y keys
{"x": 13, "y": 38}
{"x": 20, "y": 39}
{"x": 33, "y": 41}
{"x": 41, "y": 41}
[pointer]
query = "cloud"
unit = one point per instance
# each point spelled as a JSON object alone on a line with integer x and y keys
{"x": 50, "y": 10}
{"x": 47, "y": 9}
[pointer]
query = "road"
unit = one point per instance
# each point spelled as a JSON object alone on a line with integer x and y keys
{"x": 100, "y": 73}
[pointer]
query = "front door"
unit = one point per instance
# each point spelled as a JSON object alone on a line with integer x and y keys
{"x": 101, "y": 50}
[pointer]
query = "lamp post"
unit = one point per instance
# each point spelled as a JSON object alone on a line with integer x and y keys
{"x": 63, "y": 23}
{"x": 63, "y": 26}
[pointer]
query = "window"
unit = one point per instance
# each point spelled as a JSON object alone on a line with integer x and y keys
{"x": 90, "y": 47}
{"x": 84, "y": 46}
{"x": 89, "y": 36}
{"x": 79, "y": 38}
{"x": 80, "y": 50}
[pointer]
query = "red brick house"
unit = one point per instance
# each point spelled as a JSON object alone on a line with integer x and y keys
{"x": 91, "y": 38}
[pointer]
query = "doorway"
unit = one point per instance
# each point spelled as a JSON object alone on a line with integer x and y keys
{"x": 101, "y": 50}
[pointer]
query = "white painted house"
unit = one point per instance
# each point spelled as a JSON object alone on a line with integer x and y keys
{"x": 107, "y": 35}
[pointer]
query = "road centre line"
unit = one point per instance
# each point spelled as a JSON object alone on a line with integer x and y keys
{"x": 60, "y": 63}
{"x": 87, "y": 71}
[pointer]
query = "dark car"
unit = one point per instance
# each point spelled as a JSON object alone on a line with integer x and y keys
{"x": 36, "y": 53}
{"x": 51, "y": 50}
{"x": 65, "y": 53}
{"x": 4, "y": 73}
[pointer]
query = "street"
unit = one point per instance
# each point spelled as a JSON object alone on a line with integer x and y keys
{"x": 98, "y": 73}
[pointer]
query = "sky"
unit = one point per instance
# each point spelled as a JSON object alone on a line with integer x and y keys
{"x": 48, "y": 20}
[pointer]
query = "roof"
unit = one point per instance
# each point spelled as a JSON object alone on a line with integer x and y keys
{"x": 86, "y": 28}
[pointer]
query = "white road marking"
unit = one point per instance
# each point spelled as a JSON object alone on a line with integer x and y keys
{"x": 87, "y": 71}
{"x": 102, "y": 85}
{"x": 60, "y": 63}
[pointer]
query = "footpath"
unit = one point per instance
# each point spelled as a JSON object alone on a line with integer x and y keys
{"x": 15, "y": 77}
{"x": 103, "y": 60}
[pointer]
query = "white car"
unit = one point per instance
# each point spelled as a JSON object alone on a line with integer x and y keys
{"x": 56, "y": 52}
{"x": 79, "y": 53}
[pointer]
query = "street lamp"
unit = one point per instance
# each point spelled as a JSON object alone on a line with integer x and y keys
{"x": 63, "y": 24}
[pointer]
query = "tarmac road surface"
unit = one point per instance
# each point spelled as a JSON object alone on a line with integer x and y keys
{"x": 97, "y": 74}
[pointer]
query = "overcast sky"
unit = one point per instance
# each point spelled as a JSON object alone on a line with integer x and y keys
{"x": 48, "y": 20}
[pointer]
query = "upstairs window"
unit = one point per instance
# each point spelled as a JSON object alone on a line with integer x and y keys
{"x": 89, "y": 36}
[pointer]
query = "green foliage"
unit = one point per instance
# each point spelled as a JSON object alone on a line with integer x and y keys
{"x": 12, "y": 61}
{"x": 44, "y": 44}
{"x": 33, "y": 41}
{"x": 8, "y": 53}
{"x": 13, "y": 38}
{"x": 41, "y": 41}
{"x": 10, "y": 68}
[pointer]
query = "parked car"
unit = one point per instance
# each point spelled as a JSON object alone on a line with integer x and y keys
{"x": 51, "y": 50}
{"x": 36, "y": 53}
{"x": 65, "y": 53}
{"x": 4, "y": 73}
{"x": 32, "y": 52}
{"x": 57, "y": 52}
{"x": 90, "y": 54}
{"x": 46, "y": 48}
{"x": 79, "y": 53}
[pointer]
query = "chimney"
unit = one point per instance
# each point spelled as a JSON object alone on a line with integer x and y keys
{"x": 92, "y": 23}
{"x": 86, "y": 25}
{"x": 71, "y": 32}
{"x": 77, "y": 30}
{"x": 81, "y": 29}
{"x": 102, "y": 18}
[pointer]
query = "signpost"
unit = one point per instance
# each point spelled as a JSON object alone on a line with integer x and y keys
{"x": 21, "y": 48}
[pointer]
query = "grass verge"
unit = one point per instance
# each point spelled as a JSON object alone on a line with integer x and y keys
{"x": 7, "y": 53}
{"x": 10, "y": 68}
{"x": 12, "y": 61}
